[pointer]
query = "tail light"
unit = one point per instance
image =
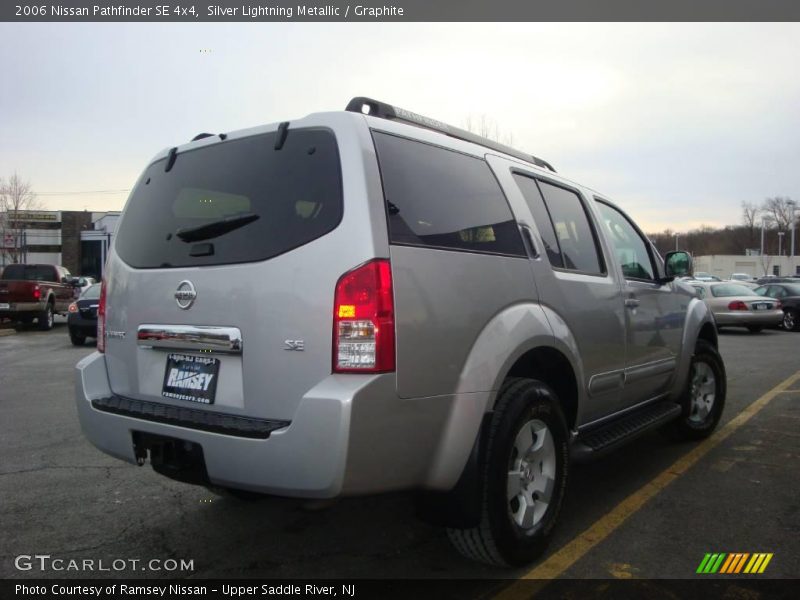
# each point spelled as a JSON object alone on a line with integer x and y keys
{"x": 363, "y": 320}
{"x": 778, "y": 305}
{"x": 101, "y": 318}
{"x": 73, "y": 308}
{"x": 37, "y": 293}
{"x": 737, "y": 305}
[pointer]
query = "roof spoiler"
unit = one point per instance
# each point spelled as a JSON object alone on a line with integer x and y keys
{"x": 375, "y": 108}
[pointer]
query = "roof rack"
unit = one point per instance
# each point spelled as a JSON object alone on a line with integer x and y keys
{"x": 375, "y": 108}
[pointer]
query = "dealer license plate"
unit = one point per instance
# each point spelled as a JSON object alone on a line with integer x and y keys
{"x": 761, "y": 306}
{"x": 192, "y": 378}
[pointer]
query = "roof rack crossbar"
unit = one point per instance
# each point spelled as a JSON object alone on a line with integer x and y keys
{"x": 375, "y": 108}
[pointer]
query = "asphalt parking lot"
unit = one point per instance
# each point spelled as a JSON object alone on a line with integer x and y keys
{"x": 647, "y": 511}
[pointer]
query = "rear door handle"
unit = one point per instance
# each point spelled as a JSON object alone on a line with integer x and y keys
{"x": 631, "y": 303}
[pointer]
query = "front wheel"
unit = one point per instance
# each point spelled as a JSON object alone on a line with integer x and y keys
{"x": 523, "y": 476}
{"x": 791, "y": 320}
{"x": 703, "y": 399}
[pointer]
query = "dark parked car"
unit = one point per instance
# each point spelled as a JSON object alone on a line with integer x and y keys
{"x": 789, "y": 295}
{"x": 82, "y": 319}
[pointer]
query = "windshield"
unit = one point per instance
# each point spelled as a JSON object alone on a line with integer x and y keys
{"x": 731, "y": 289}
{"x": 235, "y": 201}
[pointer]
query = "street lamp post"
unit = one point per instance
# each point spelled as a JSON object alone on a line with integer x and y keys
{"x": 780, "y": 243}
{"x": 763, "y": 224}
{"x": 792, "y": 204}
{"x": 676, "y": 242}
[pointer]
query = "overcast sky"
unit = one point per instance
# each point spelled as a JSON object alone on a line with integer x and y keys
{"x": 678, "y": 123}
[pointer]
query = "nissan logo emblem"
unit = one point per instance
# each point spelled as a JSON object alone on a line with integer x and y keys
{"x": 185, "y": 294}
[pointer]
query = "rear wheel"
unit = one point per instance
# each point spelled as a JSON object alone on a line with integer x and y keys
{"x": 704, "y": 397}
{"x": 791, "y": 320}
{"x": 755, "y": 328}
{"x": 524, "y": 476}
{"x": 46, "y": 318}
{"x": 76, "y": 338}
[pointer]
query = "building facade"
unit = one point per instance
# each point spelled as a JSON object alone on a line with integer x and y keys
{"x": 723, "y": 265}
{"x": 78, "y": 240}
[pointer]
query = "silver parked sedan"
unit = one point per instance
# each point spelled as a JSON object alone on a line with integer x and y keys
{"x": 736, "y": 305}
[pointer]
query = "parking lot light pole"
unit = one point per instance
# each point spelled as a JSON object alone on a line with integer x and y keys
{"x": 676, "y": 241}
{"x": 792, "y": 204}
{"x": 780, "y": 242}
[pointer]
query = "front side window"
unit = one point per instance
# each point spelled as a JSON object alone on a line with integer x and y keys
{"x": 444, "y": 199}
{"x": 630, "y": 246}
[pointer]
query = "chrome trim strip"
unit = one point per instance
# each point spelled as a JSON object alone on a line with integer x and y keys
{"x": 651, "y": 369}
{"x": 606, "y": 382}
{"x": 200, "y": 338}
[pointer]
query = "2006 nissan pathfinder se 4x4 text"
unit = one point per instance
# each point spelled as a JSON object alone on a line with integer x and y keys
{"x": 371, "y": 300}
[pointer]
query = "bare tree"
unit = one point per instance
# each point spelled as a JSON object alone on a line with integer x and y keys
{"x": 16, "y": 197}
{"x": 750, "y": 212}
{"x": 487, "y": 127}
{"x": 779, "y": 210}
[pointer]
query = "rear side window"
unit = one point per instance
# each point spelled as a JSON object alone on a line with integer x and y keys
{"x": 444, "y": 199}
{"x": 30, "y": 273}
{"x": 235, "y": 201}
{"x": 562, "y": 222}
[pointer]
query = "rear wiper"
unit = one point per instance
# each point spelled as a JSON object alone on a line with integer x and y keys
{"x": 216, "y": 228}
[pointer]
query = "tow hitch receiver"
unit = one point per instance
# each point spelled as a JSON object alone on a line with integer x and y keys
{"x": 177, "y": 459}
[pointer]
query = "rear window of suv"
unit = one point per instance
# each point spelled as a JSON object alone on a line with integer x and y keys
{"x": 235, "y": 201}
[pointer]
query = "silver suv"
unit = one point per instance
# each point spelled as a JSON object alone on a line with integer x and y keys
{"x": 371, "y": 300}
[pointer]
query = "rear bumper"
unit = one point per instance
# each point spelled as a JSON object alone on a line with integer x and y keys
{"x": 83, "y": 326}
{"x": 349, "y": 435}
{"x": 765, "y": 318}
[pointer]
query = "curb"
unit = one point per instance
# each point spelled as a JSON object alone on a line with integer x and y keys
{"x": 5, "y": 332}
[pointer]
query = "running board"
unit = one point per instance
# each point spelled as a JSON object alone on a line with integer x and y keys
{"x": 603, "y": 439}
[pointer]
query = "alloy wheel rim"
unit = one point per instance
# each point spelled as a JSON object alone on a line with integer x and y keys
{"x": 50, "y": 317}
{"x": 703, "y": 391}
{"x": 532, "y": 474}
{"x": 788, "y": 320}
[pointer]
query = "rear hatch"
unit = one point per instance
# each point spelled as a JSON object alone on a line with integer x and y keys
{"x": 222, "y": 266}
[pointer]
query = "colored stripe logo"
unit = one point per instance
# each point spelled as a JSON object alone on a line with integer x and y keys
{"x": 734, "y": 563}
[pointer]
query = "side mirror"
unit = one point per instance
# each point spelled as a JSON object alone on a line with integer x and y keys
{"x": 678, "y": 264}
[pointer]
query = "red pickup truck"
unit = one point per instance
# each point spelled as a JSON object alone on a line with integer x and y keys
{"x": 29, "y": 292}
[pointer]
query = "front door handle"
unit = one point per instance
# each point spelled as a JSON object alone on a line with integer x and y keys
{"x": 631, "y": 303}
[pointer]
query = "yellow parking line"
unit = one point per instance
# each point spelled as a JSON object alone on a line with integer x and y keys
{"x": 567, "y": 556}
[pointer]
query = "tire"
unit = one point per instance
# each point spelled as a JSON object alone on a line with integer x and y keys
{"x": 46, "y": 318}
{"x": 76, "y": 338}
{"x": 703, "y": 400}
{"x": 755, "y": 328}
{"x": 514, "y": 531}
{"x": 791, "y": 320}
